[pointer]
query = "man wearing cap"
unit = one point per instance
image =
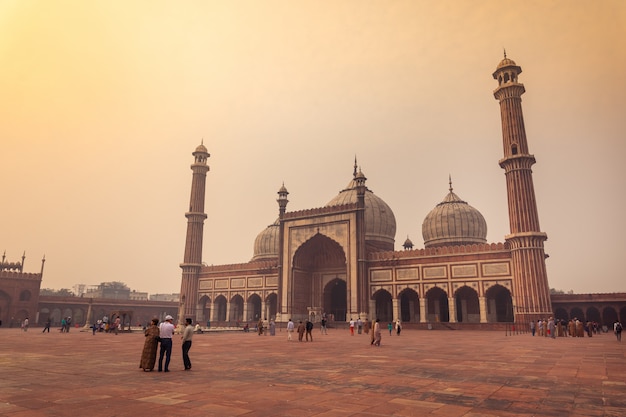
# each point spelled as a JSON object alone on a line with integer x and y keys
{"x": 166, "y": 331}
{"x": 186, "y": 337}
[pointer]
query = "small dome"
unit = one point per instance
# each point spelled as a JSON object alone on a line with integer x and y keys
{"x": 454, "y": 222}
{"x": 201, "y": 148}
{"x": 506, "y": 62}
{"x": 380, "y": 222}
{"x": 267, "y": 242}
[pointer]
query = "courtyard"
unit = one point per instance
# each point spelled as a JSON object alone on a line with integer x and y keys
{"x": 420, "y": 372}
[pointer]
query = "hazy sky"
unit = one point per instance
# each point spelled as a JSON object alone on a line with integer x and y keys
{"x": 104, "y": 101}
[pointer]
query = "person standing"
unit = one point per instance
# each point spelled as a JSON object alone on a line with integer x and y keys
{"x": 617, "y": 328}
{"x": 323, "y": 326}
{"x": 551, "y": 328}
{"x": 377, "y": 333}
{"x": 272, "y": 327}
{"x": 390, "y": 327}
{"x": 186, "y": 338}
{"x": 260, "y": 327}
{"x": 290, "y": 327}
{"x": 47, "y": 326}
{"x": 63, "y": 325}
{"x": 117, "y": 324}
{"x": 351, "y": 327}
{"x": 532, "y": 327}
{"x": 25, "y": 324}
{"x": 359, "y": 325}
{"x": 68, "y": 324}
{"x": 309, "y": 330}
{"x": 301, "y": 330}
{"x": 150, "y": 344}
{"x": 166, "y": 331}
{"x": 398, "y": 327}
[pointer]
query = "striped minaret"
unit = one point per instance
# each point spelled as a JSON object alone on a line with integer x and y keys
{"x": 192, "y": 261}
{"x": 531, "y": 293}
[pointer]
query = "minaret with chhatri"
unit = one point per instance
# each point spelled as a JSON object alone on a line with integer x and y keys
{"x": 531, "y": 296}
{"x": 192, "y": 261}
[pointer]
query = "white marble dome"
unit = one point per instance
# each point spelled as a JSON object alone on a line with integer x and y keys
{"x": 453, "y": 222}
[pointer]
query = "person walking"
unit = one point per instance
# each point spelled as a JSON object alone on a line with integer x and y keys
{"x": 150, "y": 344}
{"x": 272, "y": 327}
{"x": 351, "y": 327}
{"x": 309, "y": 330}
{"x": 390, "y": 327}
{"x": 377, "y": 333}
{"x": 25, "y": 324}
{"x": 47, "y": 325}
{"x": 617, "y": 328}
{"x": 290, "y": 327}
{"x": 323, "y": 326}
{"x": 166, "y": 331}
{"x": 398, "y": 327}
{"x": 532, "y": 327}
{"x": 186, "y": 338}
{"x": 359, "y": 325}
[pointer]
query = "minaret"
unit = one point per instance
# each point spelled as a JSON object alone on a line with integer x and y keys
{"x": 192, "y": 262}
{"x": 281, "y": 315}
{"x": 531, "y": 293}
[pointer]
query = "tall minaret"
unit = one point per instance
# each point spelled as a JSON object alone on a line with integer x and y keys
{"x": 531, "y": 293}
{"x": 192, "y": 262}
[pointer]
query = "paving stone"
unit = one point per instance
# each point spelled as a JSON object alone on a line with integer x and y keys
{"x": 439, "y": 373}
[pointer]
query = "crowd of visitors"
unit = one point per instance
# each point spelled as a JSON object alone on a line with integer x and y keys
{"x": 573, "y": 328}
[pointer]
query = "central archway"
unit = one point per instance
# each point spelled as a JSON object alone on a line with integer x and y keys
{"x": 317, "y": 262}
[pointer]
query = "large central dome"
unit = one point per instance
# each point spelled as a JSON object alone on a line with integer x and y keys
{"x": 454, "y": 222}
{"x": 380, "y": 222}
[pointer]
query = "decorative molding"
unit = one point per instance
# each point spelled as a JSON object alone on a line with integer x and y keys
{"x": 465, "y": 271}
{"x": 205, "y": 284}
{"x": 435, "y": 272}
{"x": 380, "y": 275}
{"x": 408, "y": 273}
{"x": 496, "y": 269}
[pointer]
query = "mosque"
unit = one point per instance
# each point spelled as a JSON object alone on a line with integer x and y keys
{"x": 339, "y": 260}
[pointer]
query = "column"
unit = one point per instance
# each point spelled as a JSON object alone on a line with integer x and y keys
{"x": 395, "y": 303}
{"x": 423, "y": 318}
{"x": 452, "y": 309}
{"x": 482, "y": 301}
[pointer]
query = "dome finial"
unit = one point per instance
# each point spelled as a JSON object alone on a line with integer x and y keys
{"x": 450, "y": 182}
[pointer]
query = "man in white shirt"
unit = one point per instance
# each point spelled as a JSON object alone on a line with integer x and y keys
{"x": 290, "y": 327}
{"x": 166, "y": 331}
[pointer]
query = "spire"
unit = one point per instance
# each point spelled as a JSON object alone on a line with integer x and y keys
{"x": 504, "y": 53}
{"x": 450, "y": 182}
{"x": 355, "y": 166}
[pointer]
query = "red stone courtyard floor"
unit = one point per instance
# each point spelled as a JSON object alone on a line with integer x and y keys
{"x": 438, "y": 372}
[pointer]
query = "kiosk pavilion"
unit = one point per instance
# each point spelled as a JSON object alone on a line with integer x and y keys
{"x": 339, "y": 260}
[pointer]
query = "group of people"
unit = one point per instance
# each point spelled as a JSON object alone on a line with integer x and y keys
{"x": 263, "y": 327}
{"x": 302, "y": 329}
{"x": 162, "y": 334}
{"x": 573, "y": 328}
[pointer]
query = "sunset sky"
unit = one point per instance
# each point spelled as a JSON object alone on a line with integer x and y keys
{"x": 104, "y": 101}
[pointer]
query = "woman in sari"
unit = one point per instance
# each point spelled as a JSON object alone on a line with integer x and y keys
{"x": 148, "y": 355}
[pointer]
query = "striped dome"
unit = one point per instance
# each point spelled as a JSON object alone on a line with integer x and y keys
{"x": 454, "y": 222}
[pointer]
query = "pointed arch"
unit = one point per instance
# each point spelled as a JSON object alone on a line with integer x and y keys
{"x": 384, "y": 306}
{"x": 467, "y": 305}
{"x": 437, "y": 305}
{"x": 499, "y": 304}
